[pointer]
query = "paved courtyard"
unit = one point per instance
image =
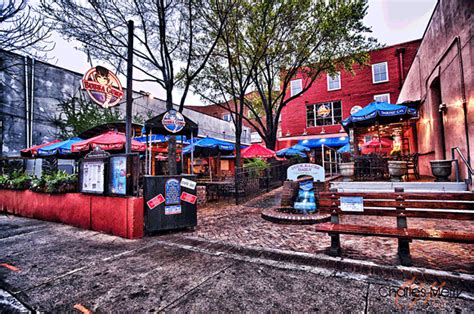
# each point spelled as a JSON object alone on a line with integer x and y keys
{"x": 52, "y": 267}
{"x": 242, "y": 225}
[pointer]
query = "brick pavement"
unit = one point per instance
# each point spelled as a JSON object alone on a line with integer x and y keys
{"x": 243, "y": 225}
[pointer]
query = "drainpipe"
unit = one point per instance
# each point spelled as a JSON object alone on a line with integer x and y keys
{"x": 32, "y": 104}
{"x": 463, "y": 95}
{"x": 27, "y": 107}
{"x": 401, "y": 75}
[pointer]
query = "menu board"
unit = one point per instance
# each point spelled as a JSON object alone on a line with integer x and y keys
{"x": 118, "y": 175}
{"x": 93, "y": 176}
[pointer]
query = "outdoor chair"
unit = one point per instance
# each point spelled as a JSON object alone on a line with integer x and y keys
{"x": 412, "y": 165}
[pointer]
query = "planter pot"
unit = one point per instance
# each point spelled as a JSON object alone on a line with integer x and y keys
{"x": 397, "y": 169}
{"x": 347, "y": 171}
{"x": 441, "y": 169}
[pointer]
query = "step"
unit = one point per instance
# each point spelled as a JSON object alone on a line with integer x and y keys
{"x": 383, "y": 186}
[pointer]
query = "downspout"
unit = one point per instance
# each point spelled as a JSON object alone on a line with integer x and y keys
{"x": 32, "y": 104}
{"x": 27, "y": 107}
{"x": 463, "y": 95}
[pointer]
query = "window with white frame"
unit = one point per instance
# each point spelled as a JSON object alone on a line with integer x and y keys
{"x": 382, "y": 97}
{"x": 334, "y": 82}
{"x": 227, "y": 117}
{"x": 380, "y": 72}
{"x": 296, "y": 87}
{"x": 327, "y": 113}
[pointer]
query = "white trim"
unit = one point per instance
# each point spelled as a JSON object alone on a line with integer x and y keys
{"x": 373, "y": 76}
{"x": 327, "y": 80}
{"x": 386, "y": 94}
{"x": 310, "y": 137}
{"x": 291, "y": 86}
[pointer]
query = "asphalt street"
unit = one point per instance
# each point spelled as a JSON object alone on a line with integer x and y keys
{"x": 52, "y": 267}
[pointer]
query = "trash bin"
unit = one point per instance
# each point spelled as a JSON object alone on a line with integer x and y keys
{"x": 170, "y": 202}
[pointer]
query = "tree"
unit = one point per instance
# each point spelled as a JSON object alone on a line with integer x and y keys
{"x": 308, "y": 38}
{"x": 76, "y": 115}
{"x": 173, "y": 42}
{"x": 21, "y": 30}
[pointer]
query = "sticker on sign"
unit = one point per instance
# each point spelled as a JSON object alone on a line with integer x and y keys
{"x": 173, "y": 210}
{"x": 188, "y": 197}
{"x": 352, "y": 204}
{"x": 185, "y": 183}
{"x": 157, "y": 200}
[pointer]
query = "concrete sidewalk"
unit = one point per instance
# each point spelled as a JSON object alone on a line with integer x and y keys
{"x": 53, "y": 267}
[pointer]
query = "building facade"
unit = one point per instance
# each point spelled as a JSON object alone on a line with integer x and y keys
{"x": 442, "y": 78}
{"x": 30, "y": 91}
{"x": 317, "y": 113}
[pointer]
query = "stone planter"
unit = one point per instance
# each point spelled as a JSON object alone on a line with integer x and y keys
{"x": 347, "y": 171}
{"x": 397, "y": 169}
{"x": 441, "y": 169}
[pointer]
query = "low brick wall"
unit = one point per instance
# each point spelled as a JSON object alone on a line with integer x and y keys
{"x": 120, "y": 216}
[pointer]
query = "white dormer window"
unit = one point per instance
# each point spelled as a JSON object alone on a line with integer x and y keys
{"x": 380, "y": 72}
{"x": 382, "y": 98}
{"x": 296, "y": 87}
{"x": 227, "y": 117}
{"x": 334, "y": 82}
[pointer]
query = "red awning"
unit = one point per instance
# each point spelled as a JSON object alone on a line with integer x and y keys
{"x": 110, "y": 140}
{"x": 33, "y": 150}
{"x": 257, "y": 151}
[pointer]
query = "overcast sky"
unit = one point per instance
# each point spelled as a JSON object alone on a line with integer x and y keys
{"x": 392, "y": 22}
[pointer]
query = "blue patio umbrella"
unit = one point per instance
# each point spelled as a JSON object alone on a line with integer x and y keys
{"x": 290, "y": 152}
{"x": 330, "y": 142}
{"x": 381, "y": 112}
{"x": 209, "y": 146}
{"x": 301, "y": 148}
{"x": 159, "y": 138}
{"x": 344, "y": 149}
{"x": 59, "y": 149}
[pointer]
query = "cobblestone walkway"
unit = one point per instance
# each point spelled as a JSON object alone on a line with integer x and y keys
{"x": 243, "y": 225}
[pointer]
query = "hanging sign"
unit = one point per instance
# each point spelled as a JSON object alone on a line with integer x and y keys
{"x": 355, "y": 109}
{"x": 103, "y": 87}
{"x": 324, "y": 111}
{"x": 173, "y": 121}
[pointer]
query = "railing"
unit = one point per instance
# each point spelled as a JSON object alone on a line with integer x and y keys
{"x": 470, "y": 172}
{"x": 329, "y": 159}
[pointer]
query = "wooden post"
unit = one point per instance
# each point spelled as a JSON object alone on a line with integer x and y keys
{"x": 403, "y": 244}
{"x": 335, "y": 249}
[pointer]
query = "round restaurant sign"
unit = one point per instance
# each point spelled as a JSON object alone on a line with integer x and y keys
{"x": 355, "y": 109}
{"x": 103, "y": 87}
{"x": 324, "y": 111}
{"x": 173, "y": 121}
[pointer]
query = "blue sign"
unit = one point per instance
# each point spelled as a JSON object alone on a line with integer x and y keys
{"x": 352, "y": 203}
{"x": 172, "y": 192}
{"x": 173, "y": 121}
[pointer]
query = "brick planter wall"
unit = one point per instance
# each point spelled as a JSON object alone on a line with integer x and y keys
{"x": 119, "y": 216}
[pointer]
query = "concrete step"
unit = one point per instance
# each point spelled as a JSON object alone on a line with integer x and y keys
{"x": 375, "y": 186}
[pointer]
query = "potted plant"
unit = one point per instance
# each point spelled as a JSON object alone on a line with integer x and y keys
{"x": 18, "y": 180}
{"x": 441, "y": 169}
{"x": 60, "y": 182}
{"x": 346, "y": 167}
{"x": 397, "y": 167}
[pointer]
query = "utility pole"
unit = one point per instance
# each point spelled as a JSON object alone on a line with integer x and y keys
{"x": 128, "y": 111}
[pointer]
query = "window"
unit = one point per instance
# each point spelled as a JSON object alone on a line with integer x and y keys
{"x": 327, "y": 113}
{"x": 227, "y": 117}
{"x": 334, "y": 82}
{"x": 296, "y": 87}
{"x": 382, "y": 97}
{"x": 380, "y": 72}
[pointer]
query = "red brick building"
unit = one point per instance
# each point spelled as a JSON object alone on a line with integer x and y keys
{"x": 317, "y": 113}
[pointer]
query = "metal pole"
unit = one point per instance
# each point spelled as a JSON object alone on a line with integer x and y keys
{"x": 330, "y": 162}
{"x": 146, "y": 155}
{"x": 182, "y": 155}
{"x": 150, "y": 153}
{"x": 322, "y": 155}
{"x": 192, "y": 153}
{"x": 128, "y": 114}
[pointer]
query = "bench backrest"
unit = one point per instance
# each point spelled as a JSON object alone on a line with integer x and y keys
{"x": 459, "y": 206}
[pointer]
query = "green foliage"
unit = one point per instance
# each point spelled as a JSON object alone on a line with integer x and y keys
{"x": 16, "y": 180}
{"x": 256, "y": 167}
{"x": 56, "y": 182}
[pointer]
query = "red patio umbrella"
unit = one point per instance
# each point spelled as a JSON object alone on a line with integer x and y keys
{"x": 257, "y": 151}
{"x": 33, "y": 150}
{"x": 377, "y": 144}
{"x": 110, "y": 140}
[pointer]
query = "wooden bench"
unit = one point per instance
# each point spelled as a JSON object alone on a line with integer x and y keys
{"x": 457, "y": 206}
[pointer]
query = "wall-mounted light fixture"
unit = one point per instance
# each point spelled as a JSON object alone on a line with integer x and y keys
{"x": 305, "y": 132}
{"x": 288, "y": 133}
{"x": 323, "y": 131}
{"x": 443, "y": 108}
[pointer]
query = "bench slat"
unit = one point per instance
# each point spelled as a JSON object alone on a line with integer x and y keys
{"x": 402, "y": 233}
{"x": 407, "y": 213}
{"x": 460, "y": 196}
{"x": 408, "y": 204}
